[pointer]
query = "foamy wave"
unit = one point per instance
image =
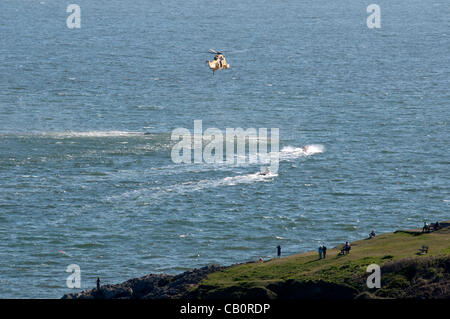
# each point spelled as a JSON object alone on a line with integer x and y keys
{"x": 286, "y": 153}
{"x": 245, "y": 179}
{"x": 88, "y": 134}
{"x": 250, "y": 160}
{"x": 291, "y": 152}
{"x": 189, "y": 187}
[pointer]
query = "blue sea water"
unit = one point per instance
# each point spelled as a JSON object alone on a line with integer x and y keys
{"x": 86, "y": 115}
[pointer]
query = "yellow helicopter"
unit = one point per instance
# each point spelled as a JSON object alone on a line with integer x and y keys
{"x": 219, "y": 61}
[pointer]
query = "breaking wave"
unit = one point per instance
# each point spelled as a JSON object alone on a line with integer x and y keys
{"x": 75, "y": 134}
{"x": 291, "y": 152}
{"x": 189, "y": 187}
{"x": 287, "y": 153}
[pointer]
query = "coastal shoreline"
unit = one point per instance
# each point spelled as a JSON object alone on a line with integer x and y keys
{"x": 407, "y": 272}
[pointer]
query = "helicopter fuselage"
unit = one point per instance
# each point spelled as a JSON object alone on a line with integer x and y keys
{"x": 218, "y": 63}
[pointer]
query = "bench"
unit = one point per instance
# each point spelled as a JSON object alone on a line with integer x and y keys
{"x": 435, "y": 226}
{"x": 423, "y": 250}
{"x": 431, "y": 227}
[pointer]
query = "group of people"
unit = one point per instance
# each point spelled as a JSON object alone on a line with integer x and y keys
{"x": 322, "y": 252}
{"x": 430, "y": 227}
{"x": 346, "y": 249}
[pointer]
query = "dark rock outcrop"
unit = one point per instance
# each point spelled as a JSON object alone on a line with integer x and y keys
{"x": 153, "y": 286}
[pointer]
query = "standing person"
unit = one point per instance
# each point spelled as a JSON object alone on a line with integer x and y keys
{"x": 324, "y": 251}
{"x": 347, "y": 247}
{"x": 98, "y": 283}
{"x": 278, "y": 251}
{"x": 320, "y": 252}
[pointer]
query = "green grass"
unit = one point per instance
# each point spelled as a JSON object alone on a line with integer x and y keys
{"x": 349, "y": 269}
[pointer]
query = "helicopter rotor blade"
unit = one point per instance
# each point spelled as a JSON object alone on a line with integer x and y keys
{"x": 237, "y": 51}
{"x": 227, "y": 52}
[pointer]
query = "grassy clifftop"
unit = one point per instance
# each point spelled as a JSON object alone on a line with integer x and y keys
{"x": 404, "y": 273}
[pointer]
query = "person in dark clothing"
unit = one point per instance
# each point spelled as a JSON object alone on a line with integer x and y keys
{"x": 347, "y": 247}
{"x": 98, "y": 283}
{"x": 278, "y": 251}
{"x": 324, "y": 251}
